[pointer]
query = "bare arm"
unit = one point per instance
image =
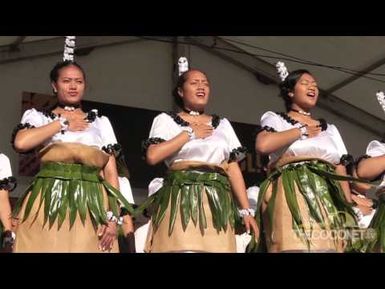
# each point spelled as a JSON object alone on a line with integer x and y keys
{"x": 159, "y": 152}
{"x": 110, "y": 172}
{"x": 268, "y": 142}
{"x": 341, "y": 170}
{"x": 5, "y": 210}
{"x": 111, "y": 175}
{"x": 107, "y": 233}
{"x": 371, "y": 168}
{"x": 359, "y": 187}
{"x": 238, "y": 186}
{"x": 28, "y": 139}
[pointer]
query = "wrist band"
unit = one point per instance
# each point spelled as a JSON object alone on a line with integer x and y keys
{"x": 190, "y": 132}
{"x": 111, "y": 218}
{"x": 303, "y": 130}
{"x": 64, "y": 123}
{"x": 246, "y": 212}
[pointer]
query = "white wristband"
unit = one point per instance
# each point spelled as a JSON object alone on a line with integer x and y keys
{"x": 303, "y": 130}
{"x": 190, "y": 132}
{"x": 112, "y": 218}
{"x": 64, "y": 123}
{"x": 246, "y": 212}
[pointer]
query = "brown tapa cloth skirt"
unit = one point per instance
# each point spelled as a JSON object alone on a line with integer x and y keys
{"x": 192, "y": 239}
{"x": 281, "y": 236}
{"x": 33, "y": 236}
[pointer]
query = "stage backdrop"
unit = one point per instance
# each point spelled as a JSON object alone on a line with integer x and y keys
{"x": 132, "y": 126}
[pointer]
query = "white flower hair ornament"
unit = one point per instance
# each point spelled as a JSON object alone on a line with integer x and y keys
{"x": 69, "y": 48}
{"x": 182, "y": 65}
{"x": 381, "y": 99}
{"x": 282, "y": 70}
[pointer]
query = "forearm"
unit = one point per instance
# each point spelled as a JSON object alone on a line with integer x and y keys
{"x": 159, "y": 152}
{"x": 359, "y": 187}
{"x": 28, "y": 139}
{"x": 268, "y": 142}
{"x": 371, "y": 168}
{"x": 5, "y": 210}
{"x": 238, "y": 185}
{"x": 110, "y": 172}
{"x": 341, "y": 170}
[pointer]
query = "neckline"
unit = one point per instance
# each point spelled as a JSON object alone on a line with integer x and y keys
{"x": 71, "y": 107}
{"x": 90, "y": 114}
{"x": 301, "y": 112}
{"x": 215, "y": 119}
{"x": 193, "y": 112}
{"x": 292, "y": 121}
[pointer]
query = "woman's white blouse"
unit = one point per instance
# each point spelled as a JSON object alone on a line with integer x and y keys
{"x": 99, "y": 133}
{"x": 328, "y": 145}
{"x": 5, "y": 167}
{"x": 375, "y": 148}
{"x": 125, "y": 189}
{"x": 221, "y": 146}
{"x": 7, "y": 181}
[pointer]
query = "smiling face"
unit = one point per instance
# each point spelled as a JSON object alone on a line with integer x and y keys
{"x": 70, "y": 85}
{"x": 305, "y": 94}
{"x": 195, "y": 90}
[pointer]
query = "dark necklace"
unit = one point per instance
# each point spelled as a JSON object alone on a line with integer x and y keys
{"x": 71, "y": 107}
{"x": 301, "y": 112}
{"x": 192, "y": 112}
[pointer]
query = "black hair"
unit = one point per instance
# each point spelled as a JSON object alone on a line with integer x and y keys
{"x": 54, "y": 74}
{"x": 179, "y": 85}
{"x": 288, "y": 85}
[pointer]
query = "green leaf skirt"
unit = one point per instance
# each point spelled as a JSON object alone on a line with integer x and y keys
{"x": 183, "y": 190}
{"x": 377, "y": 225}
{"x": 318, "y": 184}
{"x": 77, "y": 188}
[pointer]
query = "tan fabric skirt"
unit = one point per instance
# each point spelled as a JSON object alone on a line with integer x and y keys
{"x": 191, "y": 239}
{"x": 281, "y": 236}
{"x": 33, "y": 236}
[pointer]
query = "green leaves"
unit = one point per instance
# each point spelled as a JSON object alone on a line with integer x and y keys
{"x": 183, "y": 192}
{"x": 185, "y": 206}
{"x": 215, "y": 205}
{"x": 175, "y": 200}
{"x": 302, "y": 180}
{"x": 319, "y": 185}
{"x": 202, "y": 215}
{"x": 73, "y": 197}
{"x": 64, "y": 203}
{"x": 194, "y": 202}
{"x": 56, "y": 195}
{"x": 377, "y": 224}
{"x": 68, "y": 190}
{"x": 111, "y": 191}
{"x": 163, "y": 204}
{"x": 35, "y": 191}
{"x": 82, "y": 202}
{"x": 271, "y": 203}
